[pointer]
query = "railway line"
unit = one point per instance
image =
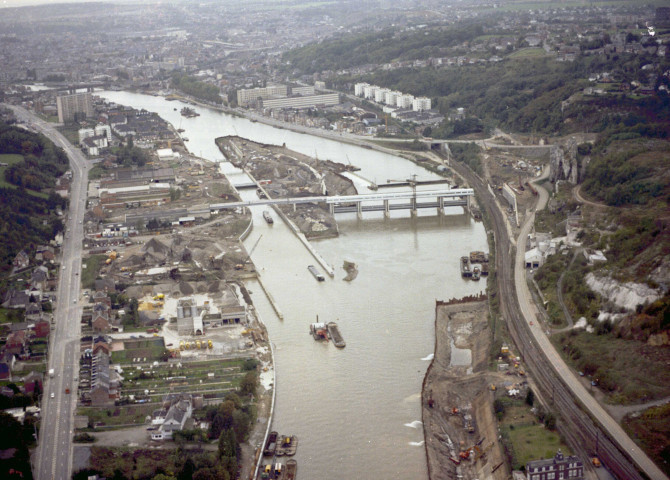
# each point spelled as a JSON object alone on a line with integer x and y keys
{"x": 584, "y": 435}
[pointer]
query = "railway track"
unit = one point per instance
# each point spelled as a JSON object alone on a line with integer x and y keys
{"x": 584, "y": 436}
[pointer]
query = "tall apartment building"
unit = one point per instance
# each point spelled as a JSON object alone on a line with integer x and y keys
{"x": 69, "y": 105}
{"x": 308, "y": 101}
{"x": 245, "y": 96}
{"x": 421, "y": 104}
{"x": 308, "y": 90}
{"x": 404, "y": 101}
{"x": 359, "y": 89}
{"x": 380, "y": 95}
{"x": 369, "y": 91}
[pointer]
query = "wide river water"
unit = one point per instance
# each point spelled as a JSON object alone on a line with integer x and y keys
{"x": 356, "y": 410}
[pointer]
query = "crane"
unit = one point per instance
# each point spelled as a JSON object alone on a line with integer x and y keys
{"x": 240, "y": 266}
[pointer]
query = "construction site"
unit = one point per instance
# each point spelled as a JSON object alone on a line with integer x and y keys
{"x": 285, "y": 173}
{"x": 460, "y": 428}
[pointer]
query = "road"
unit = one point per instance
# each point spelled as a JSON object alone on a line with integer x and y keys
{"x": 54, "y": 450}
{"x": 554, "y": 379}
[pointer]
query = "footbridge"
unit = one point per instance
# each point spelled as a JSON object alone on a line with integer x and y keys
{"x": 371, "y": 202}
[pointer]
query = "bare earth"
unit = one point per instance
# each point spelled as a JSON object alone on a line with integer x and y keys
{"x": 465, "y": 386}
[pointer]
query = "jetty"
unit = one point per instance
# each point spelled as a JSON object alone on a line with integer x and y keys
{"x": 335, "y": 335}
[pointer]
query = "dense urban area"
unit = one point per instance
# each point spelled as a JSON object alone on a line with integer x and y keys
{"x": 137, "y": 315}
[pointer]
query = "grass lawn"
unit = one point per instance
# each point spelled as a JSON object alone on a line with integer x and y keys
{"x": 151, "y": 349}
{"x": 90, "y": 273}
{"x": 651, "y": 430}
{"x": 608, "y": 359}
{"x": 9, "y": 159}
{"x": 96, "y": 172}
{"x": 116, "y": 416}
{"x": 525, "y": 437}
{"x": 528, "y": 53}
{"x": 12, "y": 315}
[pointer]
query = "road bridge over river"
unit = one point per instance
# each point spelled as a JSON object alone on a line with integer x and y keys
{"x": 367, "y": 202}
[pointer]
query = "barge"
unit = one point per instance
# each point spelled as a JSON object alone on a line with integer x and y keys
{"x": 267, "y": 217}
{"x": 271, "y": 445}
{"x": 291, "y": 469}
{"x": 335, "y": 335}
{"x": 287, "y": 445}
{"x": 465, "y": 267}
{"x": 318, "y": 275}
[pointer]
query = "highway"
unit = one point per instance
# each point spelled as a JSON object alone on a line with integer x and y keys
{"x": 558, "y": 385}
{"x": 54, "y": 450}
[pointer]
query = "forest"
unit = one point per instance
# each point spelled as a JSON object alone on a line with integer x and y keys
{"x": 191, "y": 86}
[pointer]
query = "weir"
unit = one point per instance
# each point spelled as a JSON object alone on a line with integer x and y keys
{"x": 371, "y": 202}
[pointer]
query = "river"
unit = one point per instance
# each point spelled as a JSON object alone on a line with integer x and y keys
{"x": 354, "y": 410}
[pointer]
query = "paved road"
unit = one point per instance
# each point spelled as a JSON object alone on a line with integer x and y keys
{"x": 54, "y": 451}
{"x": 529, "y": 311}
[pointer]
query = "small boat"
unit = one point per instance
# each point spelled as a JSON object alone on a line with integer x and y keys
{"x": 335, "y": 335}
{"x": 268, "y": 218}
{"x": 261, "y": 193}
{"x": 318, "y": 275}
{"x": 291, "y": 469}
{"x": 465, "y": 267}
{"x": 319, "y": 331}
{"x": 271, "y": 445}
{"x": 475, "y": 273}
{"x": 287, "y": 445}
{"x": 185, "y": 139}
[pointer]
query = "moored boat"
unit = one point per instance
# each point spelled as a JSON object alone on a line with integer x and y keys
{"x": 268, "y": 218}
{"x": 287, "y": 445}
{"x": 271, "y": 445}
{"x": 465, "y": 267}
{"x": 291, "y": 469}
{"x": 335, "y": 335}
{"x": 318, "y": 275}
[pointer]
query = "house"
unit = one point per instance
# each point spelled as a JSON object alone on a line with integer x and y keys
{"x": 45, "y": 253}
{"x": 16, "y": 299}
{"x": 7, "y": 361}
{"x": 100, "y": 322}
{"x": 559, "y": 467}
{"x": 16, "y": 342}
{"x": 32, "y": 380}
{"x": 104, "y": 382}
{"x": 42, "y": 329}
{"x": 174, "y": 421}
{"x": 101, "y": 297}
{"x": 102, "y": 347}
{"x": 39, "y": 277}
{"x": 21, "y": 260}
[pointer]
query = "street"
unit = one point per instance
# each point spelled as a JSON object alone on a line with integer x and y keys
{"x": 54, "y": 450}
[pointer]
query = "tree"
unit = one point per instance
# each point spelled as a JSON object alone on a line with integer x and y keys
{"x": 249, "y": 383}
{"x": 530, "y": 397}
{"x": 228, "y": 444}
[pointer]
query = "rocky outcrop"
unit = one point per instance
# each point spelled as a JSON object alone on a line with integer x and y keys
{"x": 624, "y": 295}
{"x": 564, "y": 164}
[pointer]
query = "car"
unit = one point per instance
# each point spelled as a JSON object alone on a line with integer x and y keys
{"x": 74, "y": 301}
{"x": 581, "y": 374}
{"x": 67, "y": 390}
{"x": 53, "y": 395}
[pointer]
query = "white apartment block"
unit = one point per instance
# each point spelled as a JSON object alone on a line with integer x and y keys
{"x": 421, "y": 104}
{"x": 391, "y": 98}
{"x": 104, "y": 130}
{"x": 250, "y": 95}
{"x": 327, "y": 99}
{"x": 85, "y": 133}
{"x": 359, "y": 89}
{"x": 380, "y": 95}
{"x": 309, "y": 90}
{"x": 404, "y": 101}
{"x": 369, "y": 91}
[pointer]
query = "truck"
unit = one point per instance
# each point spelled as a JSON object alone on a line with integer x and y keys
{"x": 51, "y": 373}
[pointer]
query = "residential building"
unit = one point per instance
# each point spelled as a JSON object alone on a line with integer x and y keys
{"x": 251, "y": 95}
{"x": 69, "y": 105}
{"x": 327, "y": 99}
{"x": 307, "y": 90}
{"x": 404, "y": 101}
{"x": 420, "y": 104}
{"x": 557, "y": 468}
{"x": 359, "y": 89}
{"x": 104, "y": 382}
{"x": 174, "y": 420}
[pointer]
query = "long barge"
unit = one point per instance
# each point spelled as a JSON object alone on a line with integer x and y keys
{"x": 335, "y": 335}
{"x": 291, "y": 469}
{"x": 271, "y": 445}
{"x": 465, "y": 267}
{"x": 317, "y": 274}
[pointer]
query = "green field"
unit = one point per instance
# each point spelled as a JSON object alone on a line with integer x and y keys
{"x": 608, "y": 359}
{"x": 90, "y": 273}
{"x": 528, "y": 52}
{"x": 525, "y": 437}
{"x": 117, "y": 416}
{"x": 148, "y": 350}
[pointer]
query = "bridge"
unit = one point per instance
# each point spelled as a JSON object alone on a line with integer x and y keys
{"x": 371, "y": 202}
